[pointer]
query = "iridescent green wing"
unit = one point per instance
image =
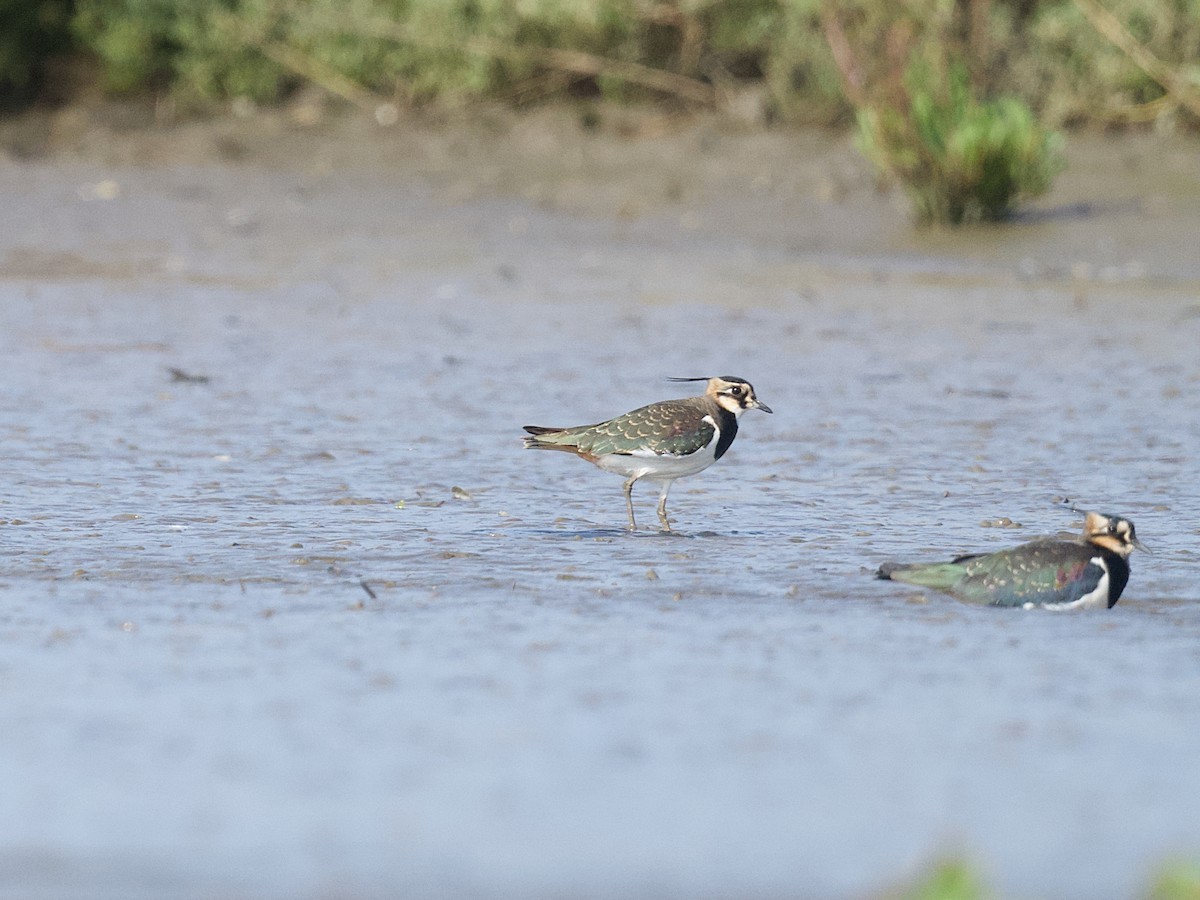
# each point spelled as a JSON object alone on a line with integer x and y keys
{"x": 670, "y": 428}
{"x": 1041, "y": 572}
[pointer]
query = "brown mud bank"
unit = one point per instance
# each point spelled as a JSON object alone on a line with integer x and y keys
{"x": 1125, "y": 210}
{"x": 286, "y": 611}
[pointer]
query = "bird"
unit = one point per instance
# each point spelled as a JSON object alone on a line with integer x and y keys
{"x": 1088, "y": 572}
{"x": 659, "y": 442}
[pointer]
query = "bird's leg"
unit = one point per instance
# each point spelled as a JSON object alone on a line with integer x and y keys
{"x": 662, "y": 506}
{"x": 629, "y": 502}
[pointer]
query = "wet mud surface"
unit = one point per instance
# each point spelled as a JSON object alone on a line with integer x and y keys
{"x": 285, "y": 609}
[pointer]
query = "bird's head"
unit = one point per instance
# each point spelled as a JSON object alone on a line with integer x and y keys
{"x": 730, "y": 393}
{"x": 1112, "y": 533}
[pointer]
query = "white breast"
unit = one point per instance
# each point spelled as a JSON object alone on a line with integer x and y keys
{"x": 662, "y": 467}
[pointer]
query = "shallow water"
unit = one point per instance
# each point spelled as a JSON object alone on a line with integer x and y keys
{"x": 319, "y": 627}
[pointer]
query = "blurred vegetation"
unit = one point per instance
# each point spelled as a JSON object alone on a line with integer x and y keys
{"x": 1178, "y": 881}
{"x": 959, "y": 160}
{"x": 947, "y": 880}
{"x": 32, "y": 32}
{"x": 952, "y": 96}
{"x": 957, "y": 879}
{"x": 1059, "y": 57}
{"x": 921, "y": 120}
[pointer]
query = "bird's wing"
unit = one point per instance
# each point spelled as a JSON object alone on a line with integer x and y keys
{"x": 670, "y": 428}
{"x": 1039, "y": 572}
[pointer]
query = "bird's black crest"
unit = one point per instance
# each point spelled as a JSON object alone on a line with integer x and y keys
{"x": 732, "y": 379}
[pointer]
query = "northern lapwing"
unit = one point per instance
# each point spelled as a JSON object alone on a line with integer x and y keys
{"x": 1088, "y": 572}
{"x": 659, "y": 442}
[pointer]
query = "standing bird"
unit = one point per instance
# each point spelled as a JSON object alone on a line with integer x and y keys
{"x": 659, "y": 442}
{"x": 1088, "y": 572}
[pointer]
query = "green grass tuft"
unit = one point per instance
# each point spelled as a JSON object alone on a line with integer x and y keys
{"x": 947, "y": 880}
{"x": 1177, "y": 881}
{"x": 959, "y": 159}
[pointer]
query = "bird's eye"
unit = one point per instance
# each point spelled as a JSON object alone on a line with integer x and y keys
{"x": 736, "y": 391}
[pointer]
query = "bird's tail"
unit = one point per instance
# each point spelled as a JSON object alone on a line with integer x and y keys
{"x": 542, "y": 438}
{"x": 938, "y": 577}
{"x": 884, "y": 572}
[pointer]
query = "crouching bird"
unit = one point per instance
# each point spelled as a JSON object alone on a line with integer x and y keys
{"x": 1088, "y": 572}
{"x": 659, "y": 442}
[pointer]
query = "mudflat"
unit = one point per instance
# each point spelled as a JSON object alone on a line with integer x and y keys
{"x": 286, "y": 610}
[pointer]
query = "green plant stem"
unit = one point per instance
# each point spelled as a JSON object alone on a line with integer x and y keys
{"x": 318, "y": 73}
{"x": 1116, "y": 33}
{"x": 843, "y": 56}
{"x": 575, "y": 62}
